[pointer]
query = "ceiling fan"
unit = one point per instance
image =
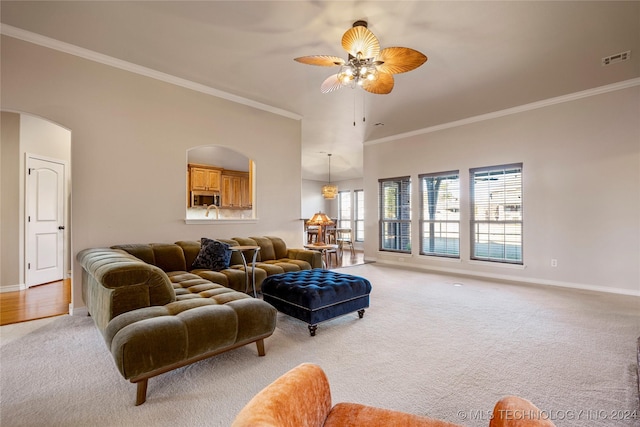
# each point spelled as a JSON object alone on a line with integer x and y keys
{"x": 367, "y": 65}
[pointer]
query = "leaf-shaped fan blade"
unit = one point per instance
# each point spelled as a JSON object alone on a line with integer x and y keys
{"x": 330, "y": 84}
{"x": 400, "y": 60}
{"x": 382, "y": 85}
{"x": 360, "y": 39}
{"x": 322, "y": 60}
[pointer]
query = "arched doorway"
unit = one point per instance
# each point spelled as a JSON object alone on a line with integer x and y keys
{"x": 36, "y": 165}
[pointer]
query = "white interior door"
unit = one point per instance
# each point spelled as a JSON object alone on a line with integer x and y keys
{"x": 45, "y": 221}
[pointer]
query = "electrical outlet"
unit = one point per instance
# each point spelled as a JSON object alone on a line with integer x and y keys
{"x": 554, "y": 262}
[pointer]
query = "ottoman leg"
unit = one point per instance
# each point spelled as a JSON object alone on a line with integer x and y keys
{"x": 312, "y": 330}
{"x": 361, "y": 313}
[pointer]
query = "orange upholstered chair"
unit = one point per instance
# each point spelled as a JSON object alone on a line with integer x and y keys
{"x": 302, "y": 398}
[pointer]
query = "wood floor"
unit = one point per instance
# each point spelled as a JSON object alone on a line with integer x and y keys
{"x": 37, "y": 302}
{"x": 347, "y": 259}
{"x": 53, "y": 299}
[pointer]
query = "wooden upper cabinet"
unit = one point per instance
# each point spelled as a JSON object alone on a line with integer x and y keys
{"x": 232, "y": 186}
{"x": 205, "y": 179}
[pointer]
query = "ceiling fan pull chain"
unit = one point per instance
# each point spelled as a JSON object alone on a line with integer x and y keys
{"x": 363, "y": 108}
{"x": 354, "y": 108}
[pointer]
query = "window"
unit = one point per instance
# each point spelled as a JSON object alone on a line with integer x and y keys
{"x": 440, "y": 214}
{"x": 344, "y": 209}
{"x": 395, "y": 214}
{"x": 496, "y": 213}
{"x": 359, "y": 213}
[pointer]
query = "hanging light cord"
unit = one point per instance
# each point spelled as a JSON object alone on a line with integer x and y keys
{"x": 354, "y": 108}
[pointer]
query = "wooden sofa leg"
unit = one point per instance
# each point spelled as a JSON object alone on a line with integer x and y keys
{"x": 141, "y": 397}
{"x": 260, "y": 345}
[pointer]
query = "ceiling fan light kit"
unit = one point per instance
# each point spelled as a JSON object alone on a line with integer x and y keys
{"x": 367, "y": 66}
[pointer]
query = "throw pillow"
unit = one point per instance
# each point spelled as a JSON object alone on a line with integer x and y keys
{"x": 213, "y": 255}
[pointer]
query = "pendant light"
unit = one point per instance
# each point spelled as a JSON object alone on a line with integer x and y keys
{"x": 329, "y": 191}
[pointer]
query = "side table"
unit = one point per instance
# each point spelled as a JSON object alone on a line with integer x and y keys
{"x": 324, "y": 250}
{"x": 242, "y": 250}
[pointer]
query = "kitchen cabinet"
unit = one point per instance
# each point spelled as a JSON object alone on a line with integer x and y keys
{"x": 235, "y": 190}
{"x": 205, "y": 179}
{"x": 225, "y": 188}
{"x": 204, "y": 184}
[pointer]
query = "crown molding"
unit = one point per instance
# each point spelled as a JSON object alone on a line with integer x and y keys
{"x": 78, "y": 51}
{"x": 71, "y": 49}
{"x": 514, "y": 110}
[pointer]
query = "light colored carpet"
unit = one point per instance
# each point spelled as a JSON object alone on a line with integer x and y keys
{"x": 424, "y": 346}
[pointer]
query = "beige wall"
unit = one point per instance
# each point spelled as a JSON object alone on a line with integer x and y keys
{"x": 130, "y": 135}
{"x": 10, "y": 200}
{"x": 312, "y": 200}
{"x": 581, "y": 197}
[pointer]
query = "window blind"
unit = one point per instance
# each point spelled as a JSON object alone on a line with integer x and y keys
{"x": 359, "y": 214}
{"x": 395, "y": 214}
{"x": 496, "y": 213}
{"x": 440, "y": 214}
{"x": 344, "y": 209}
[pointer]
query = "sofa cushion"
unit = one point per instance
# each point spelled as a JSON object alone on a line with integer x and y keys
{"x": 191, "y": 250}
{"x": 355, "y": 414}
{"x": 245, "y": 241}
{"x": 267, "y": 251}
{"x": 284, "y": 264}
{"x": 236, "y": 256}
{"x": 279, "y": 247}
{"x": 169, "y": 257}
{"x": 301, "y": 397}
{"x": 139, "y": 250}
{"x": 114, "y": 281}
{"x": 214, "y": 255}
{"x": 138, "y": 339}
{"x": 269, "y": 268}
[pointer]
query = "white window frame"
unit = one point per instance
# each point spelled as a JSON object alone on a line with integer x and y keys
{"x": 344, "y": 214}
{"x": 496, "y": 216}
{"x": 440, "y": 216}
{"x": 395, "y": 215}
{"x": 358, "y": 215}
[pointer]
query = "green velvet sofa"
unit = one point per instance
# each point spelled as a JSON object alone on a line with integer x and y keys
{"x": 155, "y": 315}
{"x": 274, "y": 257}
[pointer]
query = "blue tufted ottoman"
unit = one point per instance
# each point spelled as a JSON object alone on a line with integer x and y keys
{"x": 316, "y": 295}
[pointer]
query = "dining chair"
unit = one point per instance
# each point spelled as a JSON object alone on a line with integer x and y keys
{"x": 343, "y": 237}
{"x": 312, "y": 234}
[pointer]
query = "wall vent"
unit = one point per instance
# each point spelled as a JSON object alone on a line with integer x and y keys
{"x": 618, "y": 57}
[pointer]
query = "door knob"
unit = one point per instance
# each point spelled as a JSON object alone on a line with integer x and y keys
{"x": 61, "y": 227}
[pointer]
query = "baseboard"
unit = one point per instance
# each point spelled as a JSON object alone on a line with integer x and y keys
{"x": 510, "y": 278}
{"x": 78, "y": 311}
{"x": 13, "y": 288}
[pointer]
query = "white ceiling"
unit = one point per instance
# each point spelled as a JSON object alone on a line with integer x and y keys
{"x": 484, "y": 56}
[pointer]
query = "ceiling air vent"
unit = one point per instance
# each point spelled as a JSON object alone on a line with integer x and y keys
{"x": 618, "y": 57}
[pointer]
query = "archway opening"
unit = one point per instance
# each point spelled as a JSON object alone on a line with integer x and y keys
{"x": 220, "y": 184}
